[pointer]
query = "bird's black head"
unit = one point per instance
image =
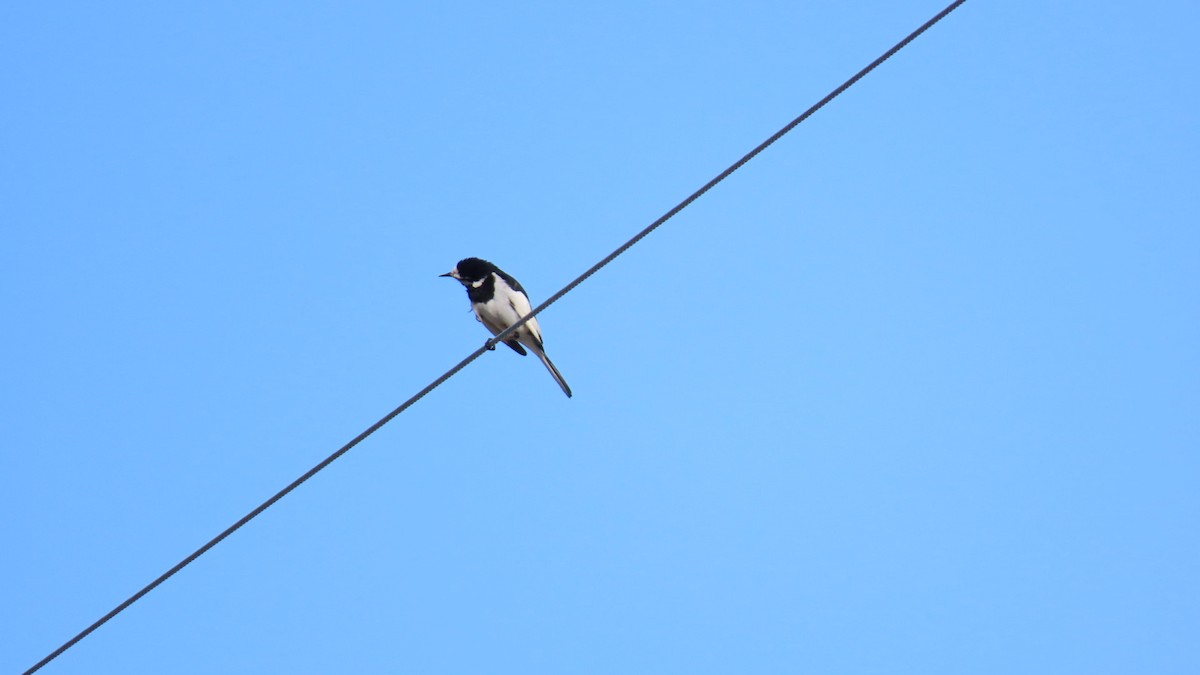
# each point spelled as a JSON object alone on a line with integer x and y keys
{"x": 471, "y": 269}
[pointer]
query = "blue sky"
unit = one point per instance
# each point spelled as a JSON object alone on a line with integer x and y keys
{"x": 916, "y": 391}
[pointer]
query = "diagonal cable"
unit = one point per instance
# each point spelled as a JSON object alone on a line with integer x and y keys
{"x": 498, "y": 338}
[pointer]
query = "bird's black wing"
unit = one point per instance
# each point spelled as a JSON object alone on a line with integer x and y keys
{"x": 512, "y": 283}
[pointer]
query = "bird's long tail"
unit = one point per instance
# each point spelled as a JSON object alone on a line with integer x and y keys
{"x": 554, "y": 371}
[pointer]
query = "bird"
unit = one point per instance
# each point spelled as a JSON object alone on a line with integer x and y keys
{"x": 499, "y": 301}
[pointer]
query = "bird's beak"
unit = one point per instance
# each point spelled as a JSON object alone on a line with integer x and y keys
{"x": 447, "y": 274}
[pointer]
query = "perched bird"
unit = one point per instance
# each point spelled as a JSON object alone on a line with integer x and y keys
{"x": 499, "y": 302}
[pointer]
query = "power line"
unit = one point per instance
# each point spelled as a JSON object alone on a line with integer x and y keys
{"x": 498, "y": 338}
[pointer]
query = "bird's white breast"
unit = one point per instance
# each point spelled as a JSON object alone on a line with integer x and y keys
{"x": 506, "y": 307}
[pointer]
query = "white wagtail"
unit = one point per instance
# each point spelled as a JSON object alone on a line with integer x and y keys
{"x": 499, "y": 302}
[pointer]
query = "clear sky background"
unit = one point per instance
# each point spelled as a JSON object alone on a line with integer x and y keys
{"x": 916, "y": 391}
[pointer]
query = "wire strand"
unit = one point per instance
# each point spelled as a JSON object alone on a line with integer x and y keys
{"x": 497, "y": 339}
